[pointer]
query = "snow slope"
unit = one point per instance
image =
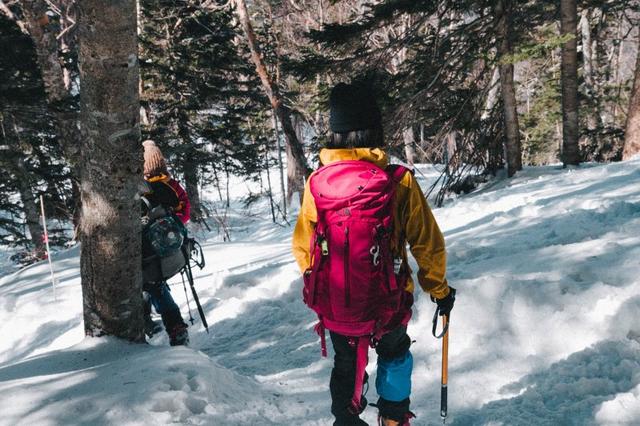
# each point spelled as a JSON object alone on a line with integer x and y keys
{"x": 545, "y": 331}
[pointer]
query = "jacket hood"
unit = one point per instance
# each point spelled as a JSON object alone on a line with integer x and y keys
{"x": 373, "y": 155}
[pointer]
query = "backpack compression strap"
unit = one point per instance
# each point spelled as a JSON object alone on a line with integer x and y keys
{"x": 362, "y": 359}
{"x": 396, "y": 172}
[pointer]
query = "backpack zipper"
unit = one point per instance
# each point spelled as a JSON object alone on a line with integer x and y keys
{"x": 347, "y": 279}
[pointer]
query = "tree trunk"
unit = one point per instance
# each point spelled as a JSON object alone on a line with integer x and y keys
{"x": 512, "y": 129}
{"x": 16, "y": 166}
{"x": 408, "y": 138}
{"x": 569, "y": 67}
{"x": 587, "y": 57}
{"x": 269, "y": 188}
{"x": 295, "y": 178}
{"x": 283, "y": 113}
{"x": 32, "y": 214}
{"x": 110, "y": 263}
{"x": 587, "y": 72}
{"x": 77, "y": 208}
{"x": 190, "y": 168}
{"x": 632, "y": 129}
{"x": 492, "y": 95}
{"x": 295, "y": 175}
{"x": 191, "y": 186}
{"x": 280, "y": 167}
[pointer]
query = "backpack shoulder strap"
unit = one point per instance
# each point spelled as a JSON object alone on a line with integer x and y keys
{"x": 397, "y": 171}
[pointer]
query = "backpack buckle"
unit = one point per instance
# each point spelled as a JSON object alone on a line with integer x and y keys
{"x": 375, "y": 252}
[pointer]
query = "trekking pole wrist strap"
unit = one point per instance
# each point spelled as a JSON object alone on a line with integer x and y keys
{"x": 436, "y": 314}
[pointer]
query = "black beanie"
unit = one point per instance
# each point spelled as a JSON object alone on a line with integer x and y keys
{"x": 353, "y": 107}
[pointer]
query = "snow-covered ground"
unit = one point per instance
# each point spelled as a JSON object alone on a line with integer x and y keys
{"x": 545, "y": 331}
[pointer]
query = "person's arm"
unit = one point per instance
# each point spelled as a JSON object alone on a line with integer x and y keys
{"x": 183, "y": 209}
{"x": 425, "y": 241}
{"x": 303, "y": 231}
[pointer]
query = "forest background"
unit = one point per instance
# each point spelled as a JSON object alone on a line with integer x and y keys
{"x": 240, "y": 87}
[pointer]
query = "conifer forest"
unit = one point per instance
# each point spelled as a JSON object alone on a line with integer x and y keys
{"x": 236, "y": 87}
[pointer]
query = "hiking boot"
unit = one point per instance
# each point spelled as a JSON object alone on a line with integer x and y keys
{"x": 151, "y": 327}
{"x": 354, "y": 422}
{"x": 179, "y": 336}
{"x": 383, "y": 421}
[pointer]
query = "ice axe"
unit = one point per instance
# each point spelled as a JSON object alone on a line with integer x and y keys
{"x": 444, "y": 335}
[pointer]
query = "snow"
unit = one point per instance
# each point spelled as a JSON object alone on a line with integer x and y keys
{"x": 545, "y": 330}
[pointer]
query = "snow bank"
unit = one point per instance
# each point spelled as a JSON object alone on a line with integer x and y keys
{"x": 106, "y": 381}
{"x": 545, "y": 330}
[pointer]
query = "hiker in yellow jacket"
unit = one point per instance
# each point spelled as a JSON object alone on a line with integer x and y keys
{"x": 357, "y": 135}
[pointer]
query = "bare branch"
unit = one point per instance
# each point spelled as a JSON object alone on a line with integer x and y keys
{"x": 9, "y": 14}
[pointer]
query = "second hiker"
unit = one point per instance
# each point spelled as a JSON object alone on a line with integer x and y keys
{"x": 166, "y": 198}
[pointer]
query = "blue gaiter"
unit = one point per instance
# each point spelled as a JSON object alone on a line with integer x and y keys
{"x": 393, "y": 382}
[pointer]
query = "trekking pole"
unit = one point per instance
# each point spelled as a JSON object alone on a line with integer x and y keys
{"x": 186, "y": 296}
{"x": 195, "y": 297}
{"x": 444, "y": 335}
{"x": 445, "y": 370}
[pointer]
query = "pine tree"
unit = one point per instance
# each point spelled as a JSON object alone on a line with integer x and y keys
{"x": 503, "y": 11}
{"x": 195, "y": 91}
{"x": 31, "y": 157}
{"x": 110, "y": 263}
{"x": 298, "y": 168}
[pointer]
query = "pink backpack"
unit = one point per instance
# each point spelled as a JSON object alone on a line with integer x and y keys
{"x": 352, "y": 284}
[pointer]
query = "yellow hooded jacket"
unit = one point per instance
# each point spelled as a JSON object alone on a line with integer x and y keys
{"x": 413, "y": 223}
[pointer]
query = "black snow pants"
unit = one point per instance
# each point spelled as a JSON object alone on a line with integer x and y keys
{"x": 392, "y": 345}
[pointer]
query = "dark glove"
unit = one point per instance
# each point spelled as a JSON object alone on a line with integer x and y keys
{"x": 445, "y": 305}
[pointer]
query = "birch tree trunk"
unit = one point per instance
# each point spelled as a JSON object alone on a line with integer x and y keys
{"x": 110, "y": 263}
{"x": 282, "y": 112}
{"x": 587, "y": 56}
{"x": 408, "y": 138}
{"x": 295, "y": 176}
{"x": 492, "y": 95}
{"x": 569, "y": 68}
{"x": 632, "y": 128}
{"x": 587, "y": 72}
{"x": 513, "y": 148}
